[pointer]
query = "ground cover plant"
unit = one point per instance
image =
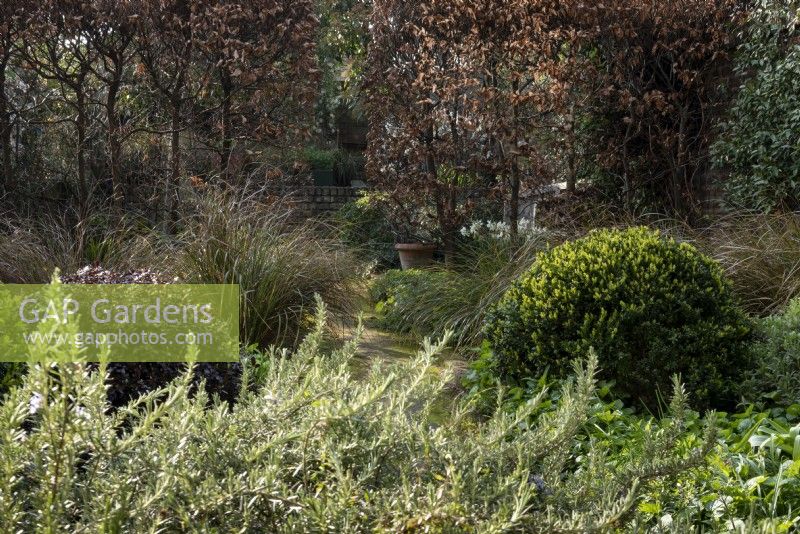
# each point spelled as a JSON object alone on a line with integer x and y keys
{"x": 747, "y": 482}
{"x": 126, "y": 381}
{"x": 775, "y": 355}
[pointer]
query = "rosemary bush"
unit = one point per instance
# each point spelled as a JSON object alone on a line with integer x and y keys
{"x": 309, "y": 448}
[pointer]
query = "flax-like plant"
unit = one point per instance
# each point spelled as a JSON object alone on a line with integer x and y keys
{"x": 310, "y": 448}
{"x": 760, "y": 253}
{"x": 30, "y": 249}
{"x": 279, "y": 264}
{"x": 456, "y": 297}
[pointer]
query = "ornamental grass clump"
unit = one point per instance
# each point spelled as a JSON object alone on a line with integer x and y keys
{"x": 456, "y": 297}
{"x": 279, "y": 263}
{"x": 760, "y": 253}
{"x": 31, "y": 249}
{"x": 309, "y": 448}
{"x": 650, "y": 306}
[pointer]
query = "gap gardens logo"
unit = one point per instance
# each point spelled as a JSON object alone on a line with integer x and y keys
{"x": 120, "y": 323}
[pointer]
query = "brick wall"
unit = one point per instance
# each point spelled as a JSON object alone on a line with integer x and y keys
{"x": 321, "y": 200}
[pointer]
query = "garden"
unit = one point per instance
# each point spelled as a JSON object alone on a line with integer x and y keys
{"x": 502, "y": 266}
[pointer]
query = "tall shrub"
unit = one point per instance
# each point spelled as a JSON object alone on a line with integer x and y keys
{"x": 419, "y": 87}
{"x": 760, "y": 136}
{"x": 658, "y": 72}
{"x": 462, "y": 98}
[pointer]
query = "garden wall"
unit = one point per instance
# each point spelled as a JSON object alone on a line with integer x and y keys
{"x": 321, "y": 200}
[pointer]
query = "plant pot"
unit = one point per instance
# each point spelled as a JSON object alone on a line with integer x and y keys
{"x": 323, "y": 177}
{"x": 413, "y": 255}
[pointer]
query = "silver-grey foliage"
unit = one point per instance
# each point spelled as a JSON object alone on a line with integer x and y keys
{"x": 308, "y": 447}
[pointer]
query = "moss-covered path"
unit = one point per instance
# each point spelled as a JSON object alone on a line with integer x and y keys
{"x": 379, "y": 345}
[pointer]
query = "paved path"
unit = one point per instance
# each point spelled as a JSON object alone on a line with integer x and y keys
{"x": 385, "y": 346}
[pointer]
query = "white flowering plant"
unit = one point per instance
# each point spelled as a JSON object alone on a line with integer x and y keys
{"x": 501, "y": 230}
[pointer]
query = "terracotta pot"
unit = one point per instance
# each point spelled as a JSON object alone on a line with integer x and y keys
{"x": 413, "y": 255}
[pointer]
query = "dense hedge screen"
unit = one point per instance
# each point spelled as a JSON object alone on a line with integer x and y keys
{"x": 651, "y": 307}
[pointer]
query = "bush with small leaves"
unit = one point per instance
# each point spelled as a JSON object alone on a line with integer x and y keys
{"x": 310, "y": 448}
{"x": 650, "y": 306}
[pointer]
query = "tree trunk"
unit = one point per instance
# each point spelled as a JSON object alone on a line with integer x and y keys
{"x": 227, "y": 143}
{"x": 173, "y": 191}
{"x": 626, "y": 184}
{"x": 444, "y": 217}
{"x": 571, "y": 155}
{"x": 681, "y": 189}
{"x": 7, "y": 183}
{"x": 114, "y": 148}
{"x": 571, "y": 168}
{"x": 513, "y": 204}
{"x": 449, "y": 243}
{"x": 81, "y": 124}
{"x": 451, "y": 230}
{"x": 513, "y": 208}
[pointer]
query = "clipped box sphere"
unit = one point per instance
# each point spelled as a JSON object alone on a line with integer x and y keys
{"x": 650, "y": 306}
